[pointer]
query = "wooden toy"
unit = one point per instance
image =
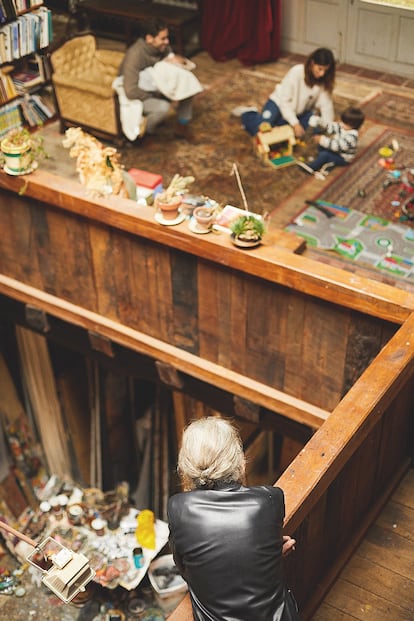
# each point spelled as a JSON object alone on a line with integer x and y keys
{"x": 275, "y": 146}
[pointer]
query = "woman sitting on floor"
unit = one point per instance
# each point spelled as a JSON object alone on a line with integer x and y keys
{"x": 305, "y": 90}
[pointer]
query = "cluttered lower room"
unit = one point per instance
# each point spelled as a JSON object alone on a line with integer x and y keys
{"x": 89, "y": 445}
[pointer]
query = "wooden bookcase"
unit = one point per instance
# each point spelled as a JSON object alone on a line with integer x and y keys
{"x": 25, "y": 30}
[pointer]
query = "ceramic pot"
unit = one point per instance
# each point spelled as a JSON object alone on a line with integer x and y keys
{"x": 204, "y": 216}
{"x": 245, "y": 243}
{"x": 169, "y": 210}
{"x": 17, "y": 158}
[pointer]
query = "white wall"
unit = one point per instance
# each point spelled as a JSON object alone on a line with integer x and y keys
{"x": 360, "y": 33}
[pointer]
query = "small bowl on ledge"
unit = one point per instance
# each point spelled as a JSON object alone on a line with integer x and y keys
{"x": 204, "y": 216}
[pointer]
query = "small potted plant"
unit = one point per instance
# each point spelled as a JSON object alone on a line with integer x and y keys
{"x": 20, "y": 151}
{"x": 169, "y": 200}
{"x": 247, "y": 231}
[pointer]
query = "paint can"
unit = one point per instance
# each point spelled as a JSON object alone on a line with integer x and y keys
{"x": 98, "y": 525}
{"x": 75, "y": 514}
{"x": 138, "y": 557}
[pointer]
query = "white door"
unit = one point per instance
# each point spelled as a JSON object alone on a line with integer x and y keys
{"x": 359, "y": 32}
{"x": 380, "y": 37}
{"x": 308, "y": 24}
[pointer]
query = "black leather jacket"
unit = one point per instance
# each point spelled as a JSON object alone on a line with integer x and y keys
{"x": 227, "y": 544}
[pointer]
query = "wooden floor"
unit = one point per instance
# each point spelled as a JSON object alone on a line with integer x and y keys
{"x": 378, "y": 582}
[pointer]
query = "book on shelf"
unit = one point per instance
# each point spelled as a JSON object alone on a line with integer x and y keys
{"x": 43, "y": 106}
{"x": 5, "y": 44}
{"x": 15, "y": 42}
{"x": 9, "y": 9}
{"x": 10, "y": 117}
{"x": 26, "y": 80}
{"x": 29, "y": 116}
{"x": 46, "y": 29}
{"x": 7, "y": 88}
{"x": 25, "y": 28}
{"x": 37, "y": 63}
{"x": 2, "y": 47}
{"x": 34, "y": 110}
{"x": 26, "y": 34}
{"x": 45, "y": 67}
{"x": 3, "y": 17}
{"x": 26, "y": 5}
{"x": 33, "y": 31}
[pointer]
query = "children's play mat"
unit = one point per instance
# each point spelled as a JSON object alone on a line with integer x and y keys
{"x": 353, "y": 235}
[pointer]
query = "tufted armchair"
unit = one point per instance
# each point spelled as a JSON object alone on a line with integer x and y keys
{"x": 82, "y": 77}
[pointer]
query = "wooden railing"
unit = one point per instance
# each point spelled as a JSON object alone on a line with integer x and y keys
{"x": 337, "y": 484}
{"x": 270, "y": 318}
{"x": 316, "y": 344}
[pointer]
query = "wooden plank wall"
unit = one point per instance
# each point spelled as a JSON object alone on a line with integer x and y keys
{"x": 253, "y": 326}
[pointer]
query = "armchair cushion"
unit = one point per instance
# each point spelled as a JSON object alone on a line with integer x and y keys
{"x": 83, "y": 85}
{"x": 82, "y": 78}
{"x": 110, "y": 58}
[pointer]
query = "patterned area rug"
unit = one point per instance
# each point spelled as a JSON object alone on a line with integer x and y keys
{"x": 391, "y": 109}
{"x": 352, "y": 235}
{"x": 371, "y": 189}
{"x": 220, "y": 142}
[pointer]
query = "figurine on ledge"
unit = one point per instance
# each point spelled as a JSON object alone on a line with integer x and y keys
{"x": 99, "y": 167}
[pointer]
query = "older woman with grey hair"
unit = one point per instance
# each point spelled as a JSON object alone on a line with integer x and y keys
{"x": 226, "y": 537}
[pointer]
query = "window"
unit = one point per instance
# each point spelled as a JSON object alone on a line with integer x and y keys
{"x": 401, "y": 4}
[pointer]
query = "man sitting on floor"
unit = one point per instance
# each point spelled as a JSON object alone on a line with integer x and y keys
{"x": 139, "y": 84}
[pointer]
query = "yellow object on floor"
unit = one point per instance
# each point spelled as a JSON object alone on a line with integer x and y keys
{"x": 145, "y": 531}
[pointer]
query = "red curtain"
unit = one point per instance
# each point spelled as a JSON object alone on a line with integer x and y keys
{"x": 245, "y": 29}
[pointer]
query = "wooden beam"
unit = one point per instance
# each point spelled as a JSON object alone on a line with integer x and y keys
{"x": 209, "y": 372}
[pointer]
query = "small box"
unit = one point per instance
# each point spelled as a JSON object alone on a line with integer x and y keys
{"x": 148, "y": 185}
{"x": 145, "y": 179}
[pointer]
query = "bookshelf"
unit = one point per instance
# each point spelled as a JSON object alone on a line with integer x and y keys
{"x": 25, "y": 30}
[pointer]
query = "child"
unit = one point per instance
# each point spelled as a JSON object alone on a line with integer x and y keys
{"x": 337, "y": 146}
